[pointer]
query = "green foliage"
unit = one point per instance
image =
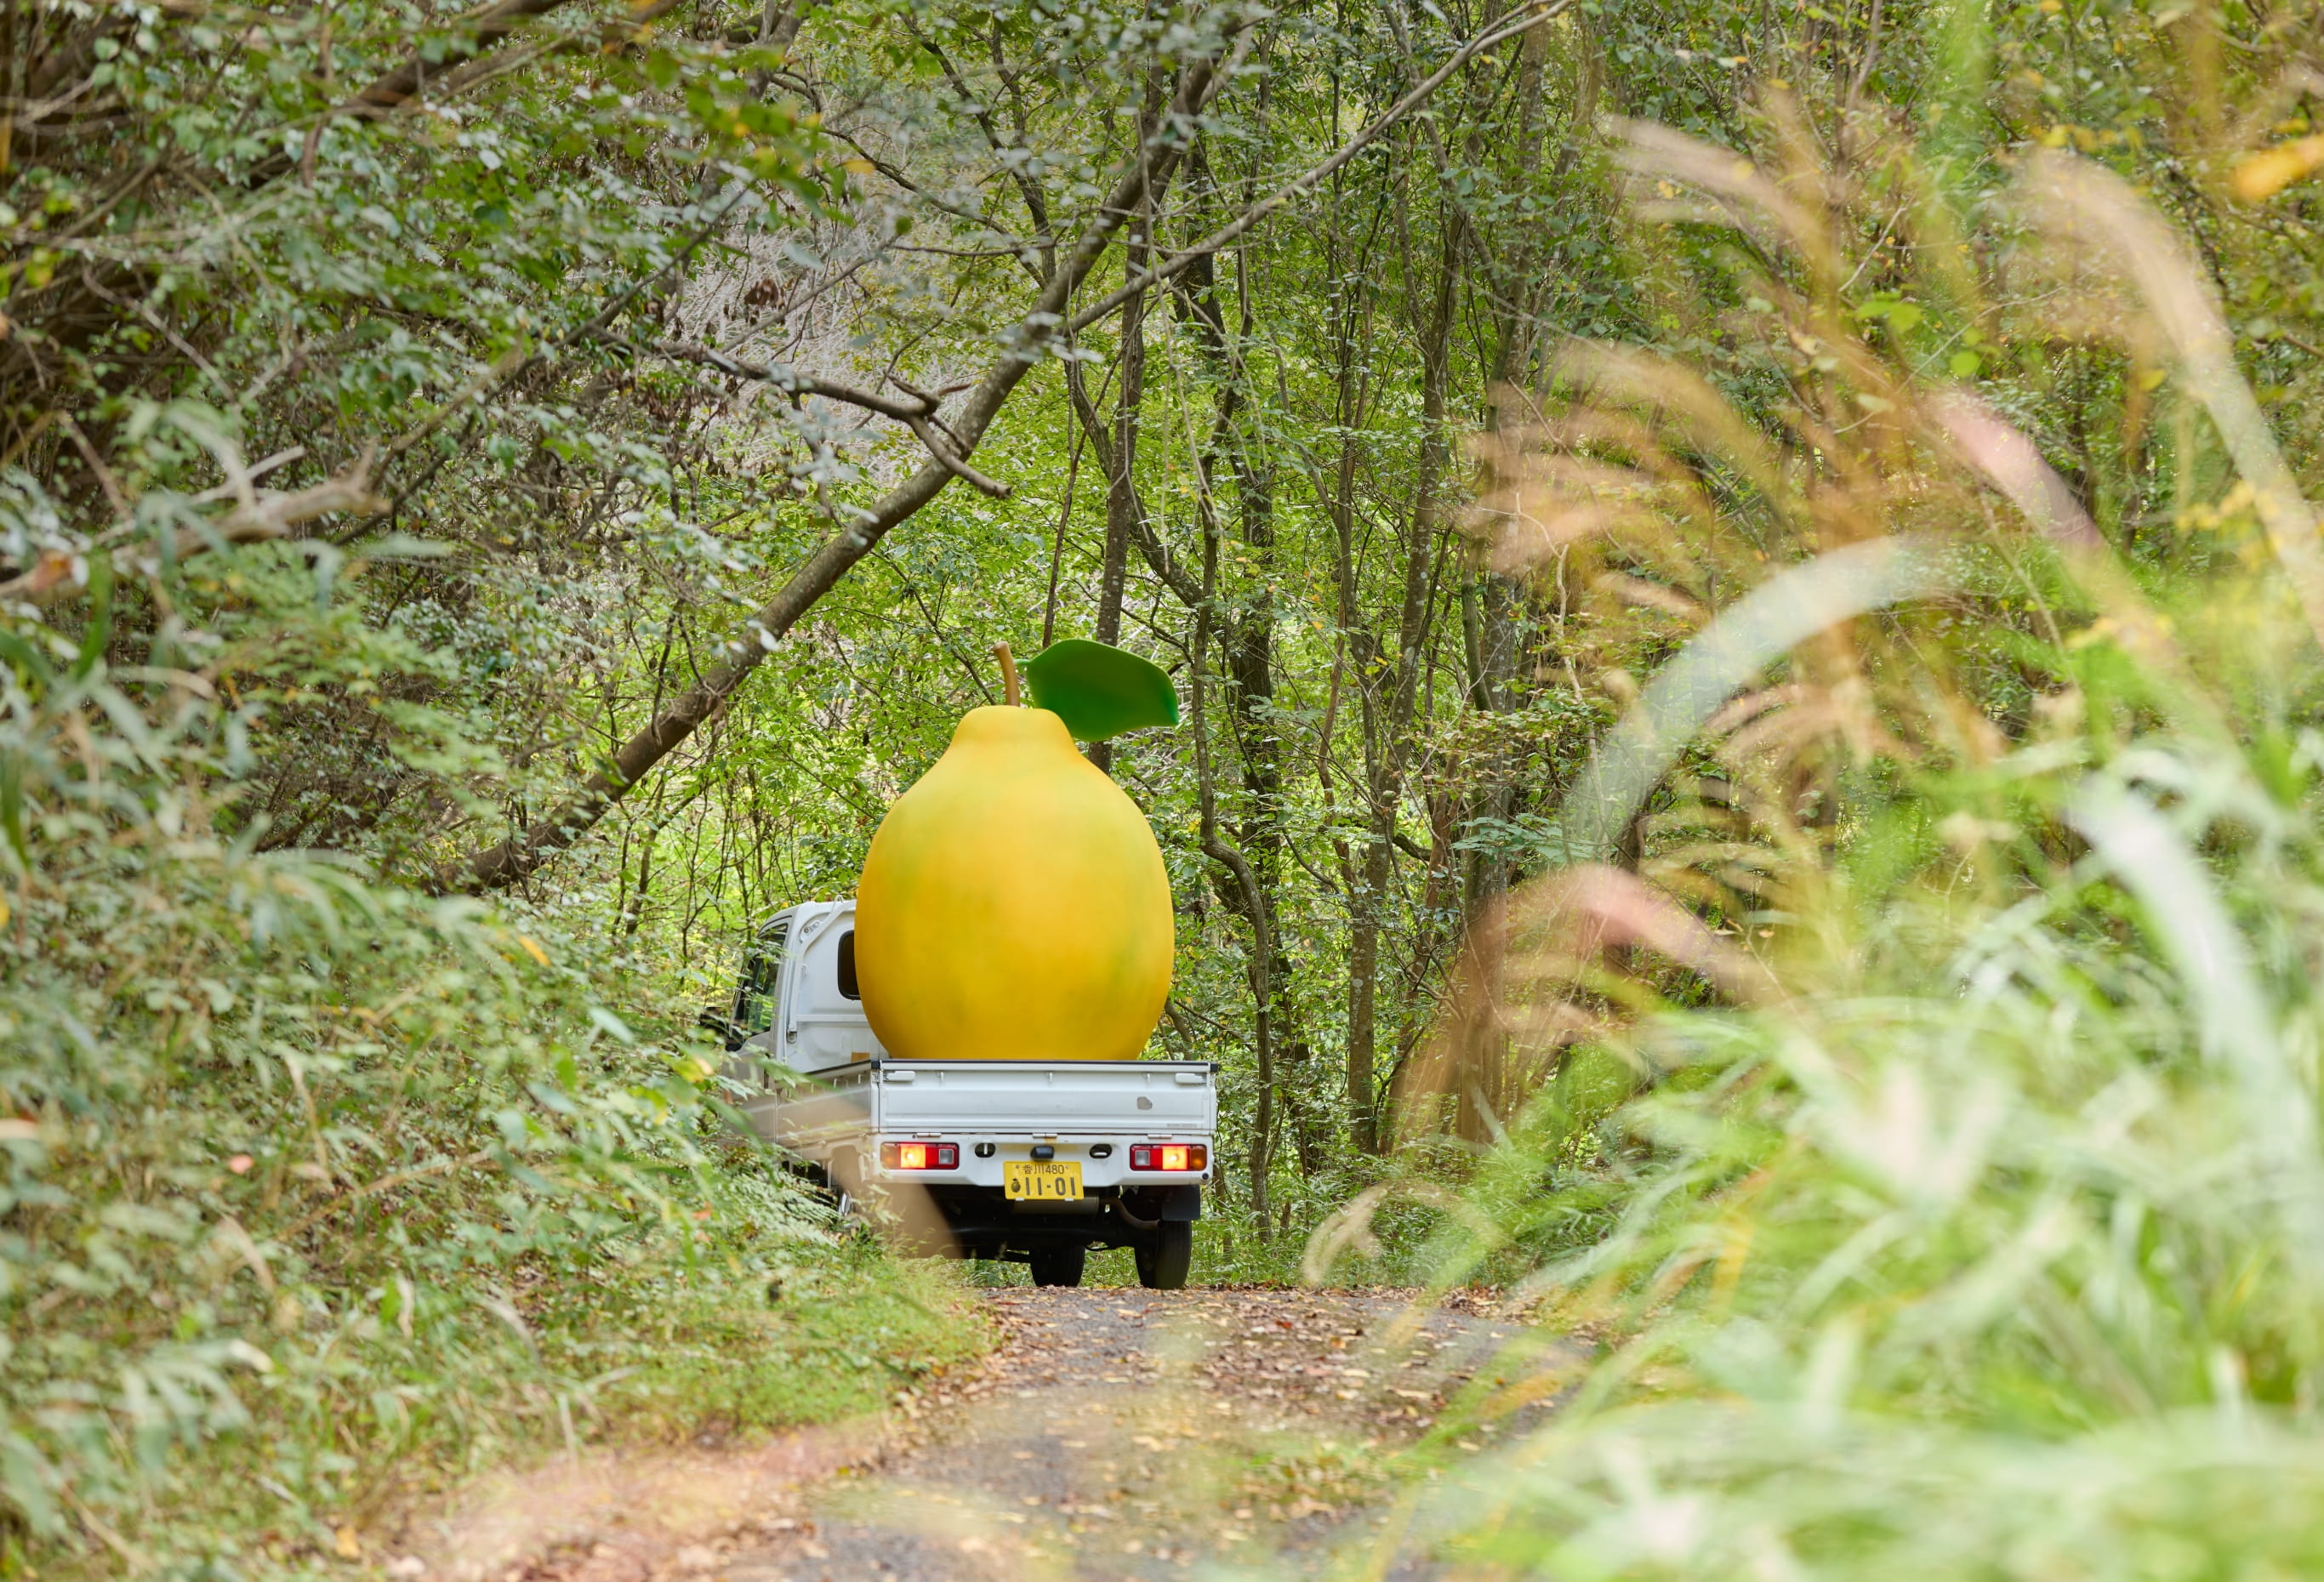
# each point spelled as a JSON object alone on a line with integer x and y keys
{"x": 1998, "y": 1249}
{"x": 1975, "y": 1234}
{"x": 316, "y": 1173}
{"x": 819, "y": 1333}
{"x": 320, "y": 1191}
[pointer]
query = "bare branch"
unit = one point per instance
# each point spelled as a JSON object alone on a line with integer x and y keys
{"x": 957, "y": 467}
{"x": 268, "y": 515}
{"x": 791, "y": 381}
{"x": 918, "y": 415}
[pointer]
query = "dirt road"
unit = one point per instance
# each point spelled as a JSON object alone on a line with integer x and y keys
{"x": 1134, "y": 1434}
{"x": 1116, "y": 1435}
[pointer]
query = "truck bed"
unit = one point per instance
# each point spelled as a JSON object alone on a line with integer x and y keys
{"x": 1011, "y": 1106}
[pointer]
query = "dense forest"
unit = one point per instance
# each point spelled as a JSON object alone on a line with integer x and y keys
{"x": 1743, "y": 589}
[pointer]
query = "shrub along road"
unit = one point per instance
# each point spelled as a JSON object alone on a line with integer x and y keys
{"x": 1127, "y": 1433}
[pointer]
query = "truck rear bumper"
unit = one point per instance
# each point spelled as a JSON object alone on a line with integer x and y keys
{"x": 985, "y": 1225}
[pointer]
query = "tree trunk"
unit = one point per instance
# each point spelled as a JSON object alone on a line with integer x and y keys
{"x": 1253, "y": 906}
{"x": 1246, "y": 636}
{"x": 1389, "y": 718}
{"x": 1122, "y": 511}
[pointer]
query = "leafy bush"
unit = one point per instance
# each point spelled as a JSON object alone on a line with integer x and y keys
{"x": 321, "y": 1189}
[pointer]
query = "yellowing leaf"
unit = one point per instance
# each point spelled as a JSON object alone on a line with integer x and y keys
{"x": 2271, "y": 170}
{"x": 859, "y": 166}
{"x": 532, "y": 948}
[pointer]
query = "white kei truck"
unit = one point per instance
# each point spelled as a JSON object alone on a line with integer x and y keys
{"x": 1031, "y": 1161}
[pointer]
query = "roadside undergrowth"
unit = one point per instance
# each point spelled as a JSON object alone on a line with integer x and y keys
{"x": 1920, "y": 1100}
{"x": 322, "y": 1195}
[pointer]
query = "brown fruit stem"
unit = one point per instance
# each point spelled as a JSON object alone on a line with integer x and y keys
{"x": 1007, "y": 674}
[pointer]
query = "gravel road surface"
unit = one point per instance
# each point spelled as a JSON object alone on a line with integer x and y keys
{"x": 1136, "y": 1434}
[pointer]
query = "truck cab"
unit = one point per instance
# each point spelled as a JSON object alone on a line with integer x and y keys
{"x": 1036, "y": 1162}
{"x": 797, "y": 1007}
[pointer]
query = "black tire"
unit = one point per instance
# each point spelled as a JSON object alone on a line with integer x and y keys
{"x": 1059, "y": 1266}
{"x": 1165, "y": 1258}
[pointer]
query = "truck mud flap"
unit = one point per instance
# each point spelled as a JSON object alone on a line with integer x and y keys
{"x": 1146, "y": 1208}
{"x": 1162, "y": 1204}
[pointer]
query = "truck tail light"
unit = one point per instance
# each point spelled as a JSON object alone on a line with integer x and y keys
{"x": 919, "y": 1156}
{"x": 1187, "y": 1156}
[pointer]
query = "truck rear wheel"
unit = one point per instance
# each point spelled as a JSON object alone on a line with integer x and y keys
{"x": 1059, "y": 1266}
{"x": 1165, "y": 1258}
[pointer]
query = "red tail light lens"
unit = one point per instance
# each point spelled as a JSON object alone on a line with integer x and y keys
{"x": 919, "y": 1156}
{"x": 1187, "y": 1156}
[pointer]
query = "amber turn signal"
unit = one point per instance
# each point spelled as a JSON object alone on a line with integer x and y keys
{"x": 1187, "y": 1156}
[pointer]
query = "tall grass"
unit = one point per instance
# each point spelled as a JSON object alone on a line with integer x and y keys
{"x": 1995, "y": 1253}
{"x": 1943, "y": 1178}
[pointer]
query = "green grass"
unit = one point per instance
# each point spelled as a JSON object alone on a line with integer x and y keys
{"x": 828, "y": 1333}
{"x": 745, "y": 1338}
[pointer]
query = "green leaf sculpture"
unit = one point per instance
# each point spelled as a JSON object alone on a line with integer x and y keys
{"x": 1100, "y": 691}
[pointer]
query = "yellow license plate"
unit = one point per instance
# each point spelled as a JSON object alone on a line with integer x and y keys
{"x": 1047, "y": 1180}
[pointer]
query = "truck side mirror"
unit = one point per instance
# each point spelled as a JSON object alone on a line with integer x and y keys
{"x": 713, "y": 1020}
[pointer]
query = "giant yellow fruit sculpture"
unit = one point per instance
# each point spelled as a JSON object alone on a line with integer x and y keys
{"x": 1014, "y": 905}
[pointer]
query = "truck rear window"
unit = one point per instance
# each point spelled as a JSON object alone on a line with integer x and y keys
{"x": 847, "y": 966}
